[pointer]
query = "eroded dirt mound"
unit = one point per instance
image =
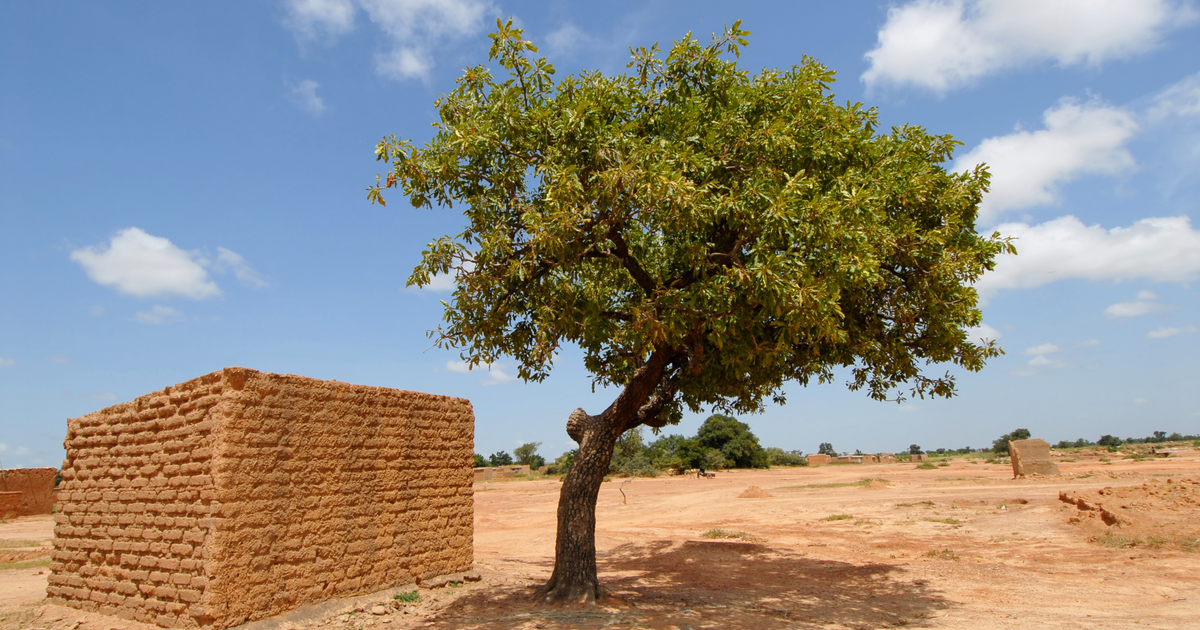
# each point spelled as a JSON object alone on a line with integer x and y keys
{"x": 754, "y": 492}
{"x": 1155, "y": 514}
{"x": 876, "y": 484}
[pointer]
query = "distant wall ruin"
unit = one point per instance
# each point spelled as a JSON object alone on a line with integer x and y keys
{"x": 240, "y": 495}
{"x": 818, "y": 459}
{"x": 1031, "y": 457}
{"x": 36, "y": 486}
{"x": 10, "y": 504}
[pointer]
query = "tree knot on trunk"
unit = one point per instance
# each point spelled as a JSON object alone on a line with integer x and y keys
{"x": 577, "y": 425}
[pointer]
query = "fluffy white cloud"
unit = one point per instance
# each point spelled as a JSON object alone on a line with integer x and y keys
{"x": 6, "y": 362}
{"x": 1165, "y": 249}
{"x": 159, "y": 315}
{"x": 139, "y": 264}
{"x": 944, "y": 44}
{"x": 136, "y": 263}
{"x": 1164, "y": 332}
{"x": 1027, "y": 166}
{"x": 416, "y": 28}
{"x": 304, "y": 96}
{"x": 1143, "y": 305}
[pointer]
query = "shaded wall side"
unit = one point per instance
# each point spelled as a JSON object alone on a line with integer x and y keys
{"x": 330, "y": 490}
{"x": 37, "y": 486}
{"x": 135, "y": 505}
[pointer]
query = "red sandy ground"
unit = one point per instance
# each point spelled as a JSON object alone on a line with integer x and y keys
{"x": 963, "y": 546}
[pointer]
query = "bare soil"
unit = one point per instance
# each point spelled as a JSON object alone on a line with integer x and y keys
{"x": 841, "y": 546}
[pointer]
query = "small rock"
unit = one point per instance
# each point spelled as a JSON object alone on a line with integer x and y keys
{"x": 378, "y": 610}
{"x": 471, "y": 576}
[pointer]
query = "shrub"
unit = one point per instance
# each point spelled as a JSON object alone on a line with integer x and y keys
{"x": 1000, "y": 445}
{"x": 480, "y": 461}
{"x": 779, "y": 457}
{"x": 500, "y": 459}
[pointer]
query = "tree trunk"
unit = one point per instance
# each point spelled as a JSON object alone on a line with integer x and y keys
{"x": 574, "y": 578}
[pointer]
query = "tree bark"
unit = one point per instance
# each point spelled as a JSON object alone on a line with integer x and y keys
{"x": 574, "y": 578}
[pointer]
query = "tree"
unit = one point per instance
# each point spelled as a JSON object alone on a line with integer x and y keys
{"x": 826, "y": 449}
{"x": 1109, "y": 441}
{"x": 500, "y": 459}
{"x": 1000, "y": 444}
{"x": 480, "y": 462}
{"x": 703, "y": 236}
{"x": 734, "y": 439}
{"x": 914, "y": 449}
{"x": 527, "y": 455}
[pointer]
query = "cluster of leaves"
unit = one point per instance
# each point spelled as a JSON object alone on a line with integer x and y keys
{"x": 496, "y": 459}
{"x": 527, "y": 455}
{"x": 745, "y": 230}
{"x": 1000, "y": 444}
{"x": 721, "y": 442}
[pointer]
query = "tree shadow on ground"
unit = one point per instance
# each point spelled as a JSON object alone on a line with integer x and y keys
{"x": 702, "y": 584}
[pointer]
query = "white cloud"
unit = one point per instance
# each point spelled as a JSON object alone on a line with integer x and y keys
{"x": 1163, "y": 249}
{"x": 416, "y": 28}
{"x": 460, "y": 367}
{"x": 1040, "y": 359}
{"x": 96, "y": 311}
{"x": 1046, "y": 348}
{"x": 1164, "y": 332}
{"x": 6, "y": 362}
{"x": 59, "y": 360}
{"x": 944, "y": 44}
{"x": 1140, "y": 401}
{"x": 312, "y": 19}
{"x": 497, "y": 374}
{"x": 159, "y": 315}
{"x": 1026, "y": 167}
{"x": 1144, "y": 305}
{"x": 136, "y": 263}
{"x": 567, "y": 38}
{"x": 1179, "y": 99}
{"x": 982, "y": 334}
{"x": 229, "y": 261}
{"x": 1088, "y": 344}
{"x": 304, "y": 96}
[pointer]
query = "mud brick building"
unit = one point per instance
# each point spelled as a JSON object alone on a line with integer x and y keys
{"x": 36, "y": 486}
{"x": 241, "y": 494}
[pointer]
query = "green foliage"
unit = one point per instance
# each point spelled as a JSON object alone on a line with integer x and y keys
{"x": 837, "y": 517}
{"x": 500, "y": 459}
{"x": 527, "y": 455}
{"x": 407, "y": 598}
{"x": 913, "y": 449}
{"x": 1080, "y": 443}
{"x": 1109, "y": 441}
{"x": 926, "y": 466}
{"x": 480, "y": 461}
{"x": 779, "y": 457}
{"x": 826, "y": 449}
{"x": 562, "y": 465}
{"x": 630, "y": 456}
{"x": 1000, "y": 444}
{"x": 714, "y": 459}
{"x": 734, "y": 440}
{"x": 747, "y": 230}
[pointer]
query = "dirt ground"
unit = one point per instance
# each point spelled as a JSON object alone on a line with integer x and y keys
{"x": 843, "y": 546}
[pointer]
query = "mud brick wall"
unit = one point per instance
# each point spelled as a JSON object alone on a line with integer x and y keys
{"x": 240, "y": 495}
{"x": 10, "y": 504}
{"x": 36, "y": 484}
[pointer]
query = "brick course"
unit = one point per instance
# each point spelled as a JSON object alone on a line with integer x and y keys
{"x": 240, "y": 495}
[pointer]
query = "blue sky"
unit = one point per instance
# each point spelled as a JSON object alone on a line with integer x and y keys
{"x": 182, "y": 189}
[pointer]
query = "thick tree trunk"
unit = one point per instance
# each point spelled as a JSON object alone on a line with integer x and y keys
{"x": 574, "y": 578}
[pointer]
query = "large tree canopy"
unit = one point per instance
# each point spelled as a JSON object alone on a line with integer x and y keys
{"x": 704, "y": 235}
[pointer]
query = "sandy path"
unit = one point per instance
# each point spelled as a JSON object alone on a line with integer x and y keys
{"x": 956, "y": 547}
